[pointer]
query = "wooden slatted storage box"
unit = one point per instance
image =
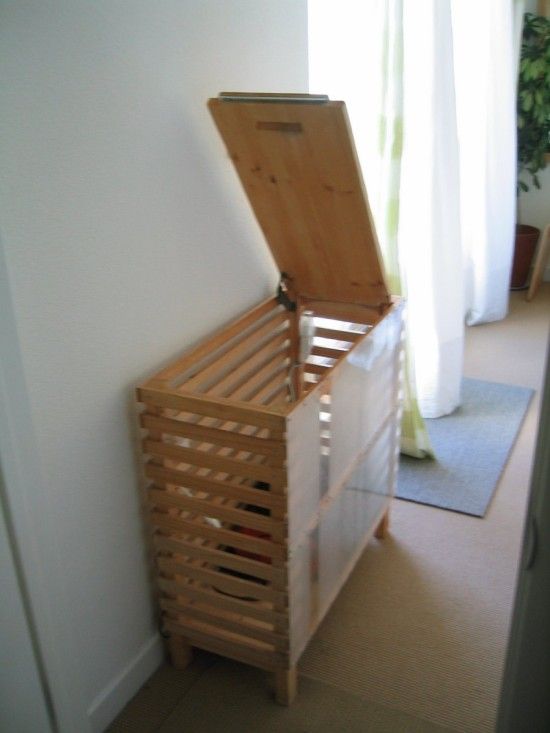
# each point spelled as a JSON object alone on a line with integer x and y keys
{"x": 270, "y": 450}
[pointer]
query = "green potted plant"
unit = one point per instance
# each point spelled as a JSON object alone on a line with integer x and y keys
{"x": 533, "y": 129}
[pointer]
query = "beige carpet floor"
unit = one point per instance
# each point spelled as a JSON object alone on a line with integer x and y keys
{"x": 416, "y": 640}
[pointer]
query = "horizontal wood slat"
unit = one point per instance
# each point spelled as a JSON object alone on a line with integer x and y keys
{"x": 222, "y": 336}
{"x": 359, "y": 313}
{"x": 255, "y": 369}
{"x": 328, "y": 352}
{"x": 261, "y": 610}
{"x": 314, "y": 368}
{"x": 220, "y": 557}
{"x": 221, "y": 581}
{"x": 194, "y": 431}
{"x": 257, "y": 471}
{"x": 234, "y": 356}
{"x": 255, "y": 390}
{"x": 219, "y": 407}
{"x": 222, "y": 536}
{"x": 172, "y": 477}
{"x": 215, "y": 632}
{"x": 337, "y": 334}
{"x": 269, "y": 391}
{"x": 230, "y": 649}
{"x": 207, "y": 508}
{"x": 230, "y": 622}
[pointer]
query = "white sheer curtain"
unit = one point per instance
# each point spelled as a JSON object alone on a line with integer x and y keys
{"x": 457, "y": 192}
{"x": 429, "y": 227}
{"x": 485, "y": 43}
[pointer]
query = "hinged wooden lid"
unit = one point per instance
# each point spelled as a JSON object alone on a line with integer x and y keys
{"x": 297, "y": 162}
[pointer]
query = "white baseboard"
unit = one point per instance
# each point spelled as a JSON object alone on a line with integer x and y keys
{"x": 124, "y": 686}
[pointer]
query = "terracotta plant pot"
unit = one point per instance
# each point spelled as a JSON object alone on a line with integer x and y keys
{"x": 524, "y": 251}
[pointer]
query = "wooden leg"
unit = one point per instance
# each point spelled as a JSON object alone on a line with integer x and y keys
{"x": 541, "y": 258}
{"x": 382, "y": 529}
{"x": 285, "y": 685}
{"x": 180, "y": 652}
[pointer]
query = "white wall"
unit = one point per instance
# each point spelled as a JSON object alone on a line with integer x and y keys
{"x": 127, "y": 238}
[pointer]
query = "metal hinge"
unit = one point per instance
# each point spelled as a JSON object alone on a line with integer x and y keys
{"x": 282, "y": 293}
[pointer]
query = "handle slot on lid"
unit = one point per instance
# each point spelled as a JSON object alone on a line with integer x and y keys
{"x": 280, "y": 126}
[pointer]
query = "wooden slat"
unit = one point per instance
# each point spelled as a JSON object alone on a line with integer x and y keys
{"x": 337, "y": 334}
{"x": 273, "y": 386}
{"x": 203, "y": 507}
{"x": 218, "y": 407}
{"x": 221, "y": 536}
{"x": 281, "y": 395}
{"x": 235, "y": 355}
{"x": 163, "y": 476}
{"x": 255, "y": 471}
{"x": 230, "y": 622}
{"x": 261, "y": 381}
{"x": 254, "y": 369}
{"x": 397, "y": 305}
{"x": 229, "y": 451}
{"x": 316, "y": 368}
{"x": 206, "y": 347}
{"x": 221, "y": 634}
{"x": 195, "y": 431}
{"x": 351, "y": 312}
{"x": 328, "y": 352}
{"x": 260, "y": 610}
{"x": 541, "y": 260}
{"x": 220, "y": 581}
{"x": 231, "y": 649}
{"x": 217, "y": 557}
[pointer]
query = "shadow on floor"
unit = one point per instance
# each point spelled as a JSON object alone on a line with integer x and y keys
{"x": 216, "y": 695}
